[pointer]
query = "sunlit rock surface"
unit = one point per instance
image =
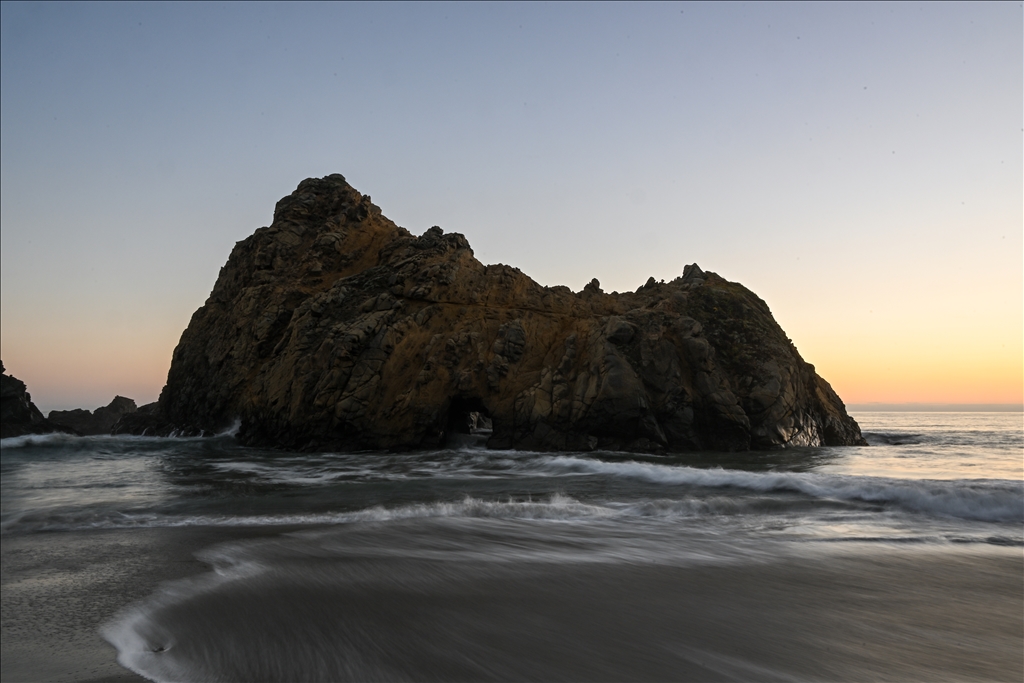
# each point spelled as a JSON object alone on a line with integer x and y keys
{"x": 336, "y": 329}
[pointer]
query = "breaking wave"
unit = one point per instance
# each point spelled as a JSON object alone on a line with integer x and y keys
{"x": 983, "y": 500}
{"x": 893, "y": 439}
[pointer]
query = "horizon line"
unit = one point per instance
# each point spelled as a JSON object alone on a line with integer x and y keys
{"x": 913, "y": 406}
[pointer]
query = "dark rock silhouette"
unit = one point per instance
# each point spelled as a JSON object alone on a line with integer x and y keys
{"x": 18, "y": 415}
{"x": 148, "y": 420}
{"x": 336, "y": 329}
{"x": 100, "y": 421}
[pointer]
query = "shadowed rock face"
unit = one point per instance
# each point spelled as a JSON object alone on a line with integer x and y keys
{"x": 336, "y": 329}
{"x": 99, "y": 421}
{"x": 149, "y": 420}
{"x": 18, "y": 415}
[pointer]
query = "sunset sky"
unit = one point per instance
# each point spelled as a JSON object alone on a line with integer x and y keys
{"x": 858, "y": 166}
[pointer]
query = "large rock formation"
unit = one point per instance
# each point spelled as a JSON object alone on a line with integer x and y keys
{"x": 18, "y": 415}
{"x": 336, "y": 329}
{"x": 99, "y": 421}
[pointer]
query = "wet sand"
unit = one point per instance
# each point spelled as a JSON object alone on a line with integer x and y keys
{"x": 58, "y": 588}
{"x": 846, "y": 612}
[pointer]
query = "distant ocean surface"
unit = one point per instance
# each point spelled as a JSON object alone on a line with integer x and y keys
{"x": 455, "y": 563}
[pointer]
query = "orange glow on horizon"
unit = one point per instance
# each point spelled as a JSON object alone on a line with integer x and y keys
{"x": 944, "y": 364}
{"x": 92, "y": 377}
{"x": 905, "y": 378}
{"x": 89, "y": 375}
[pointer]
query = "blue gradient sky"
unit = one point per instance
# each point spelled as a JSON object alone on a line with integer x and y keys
{"x": 859, "y": 166}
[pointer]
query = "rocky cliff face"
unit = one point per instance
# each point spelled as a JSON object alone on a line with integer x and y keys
{"x": 18, "y": 415}
{"x": 336, "y": 329}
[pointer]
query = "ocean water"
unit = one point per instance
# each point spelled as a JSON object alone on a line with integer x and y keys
{"x": 469, "y": 564}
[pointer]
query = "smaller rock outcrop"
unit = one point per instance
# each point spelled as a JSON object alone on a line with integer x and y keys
{"x": 99, "y": 421}
{"x": 147, "y": 420}
{"x": 18, "y": 415}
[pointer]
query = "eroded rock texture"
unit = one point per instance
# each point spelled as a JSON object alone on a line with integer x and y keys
{"x": 336, "y": 329}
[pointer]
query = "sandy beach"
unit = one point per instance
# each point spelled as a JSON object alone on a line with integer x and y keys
{"x": 58, "y": 588}
{"x": 856, "y": 613}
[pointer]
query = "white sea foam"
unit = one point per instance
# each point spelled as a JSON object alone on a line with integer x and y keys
{"x": 147, "y": 648}
{"x": 233, "y": 429}
{"x": 985, "y": 500}
{"x": 29, "y": 440}
{"x": 555, "y": 507}
{"x": 58, "y": 439}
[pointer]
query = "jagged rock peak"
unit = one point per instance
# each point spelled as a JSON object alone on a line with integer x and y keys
{"x": 334, "y": 328}
{"x": 692, "y": 274}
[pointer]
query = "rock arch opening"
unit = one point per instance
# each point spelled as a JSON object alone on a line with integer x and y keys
{"x": 468, "y": 423}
